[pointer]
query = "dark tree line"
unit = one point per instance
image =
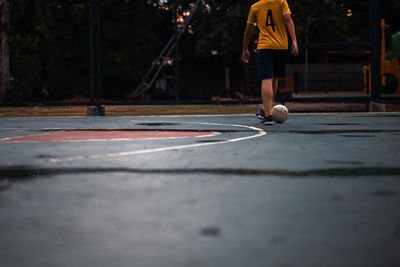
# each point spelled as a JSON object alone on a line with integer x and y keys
{"x": 47, "y": 46}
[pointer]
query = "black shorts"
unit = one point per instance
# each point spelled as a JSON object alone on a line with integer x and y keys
{"x": 271, "y": 63}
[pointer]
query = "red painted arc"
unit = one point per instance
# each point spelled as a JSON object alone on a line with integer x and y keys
{"x": 98, "y": 135}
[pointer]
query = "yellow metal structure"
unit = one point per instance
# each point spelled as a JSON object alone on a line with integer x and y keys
{"x": 390, "y": 67}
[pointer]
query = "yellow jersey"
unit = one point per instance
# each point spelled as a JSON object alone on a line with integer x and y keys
{"x": 268, "y": 15}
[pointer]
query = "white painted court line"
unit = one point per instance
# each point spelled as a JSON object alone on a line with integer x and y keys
{"x": 259, "y": 133}
{"x": 178, "y": 116}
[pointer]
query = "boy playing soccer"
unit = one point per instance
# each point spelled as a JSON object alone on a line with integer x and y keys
{"x": 273, "y": 18}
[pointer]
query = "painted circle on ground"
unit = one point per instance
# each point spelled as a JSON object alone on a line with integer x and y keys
{"x": 108, "y": 135}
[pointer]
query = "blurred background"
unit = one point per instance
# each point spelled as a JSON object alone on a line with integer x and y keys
{"x": 46, "y": 50}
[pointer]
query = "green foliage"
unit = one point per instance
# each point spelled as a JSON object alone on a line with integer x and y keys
{"x": 221, "y": 31}
{"x": 220, "y": 27}
{"x": 52, "y": 46}
{"x": 52, "y": 42}
{"x": 133, "y": 33}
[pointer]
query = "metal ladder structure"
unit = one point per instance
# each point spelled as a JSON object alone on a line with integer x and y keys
{"x": 159, "y": 63}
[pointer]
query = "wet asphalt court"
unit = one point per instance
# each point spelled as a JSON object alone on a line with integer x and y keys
{"x": 317, "y": 190}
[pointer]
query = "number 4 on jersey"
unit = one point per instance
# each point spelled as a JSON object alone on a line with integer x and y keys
{"x": 270, "y": 20}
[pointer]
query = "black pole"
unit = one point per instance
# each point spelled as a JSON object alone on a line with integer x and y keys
{"x": 98, "y": 51}
{"x": 376, "y": 83}
{"x": 13, "y": 59}
{"x": 176, "y": 51}
{"x": 94, "y": 51}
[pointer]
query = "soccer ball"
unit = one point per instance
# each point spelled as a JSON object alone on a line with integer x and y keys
{"x": 280, "y": 113}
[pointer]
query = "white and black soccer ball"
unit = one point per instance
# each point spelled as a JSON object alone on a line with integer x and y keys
{"x": 280, "y": 113}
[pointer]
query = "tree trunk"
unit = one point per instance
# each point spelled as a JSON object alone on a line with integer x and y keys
{"x": 5, "y": 48}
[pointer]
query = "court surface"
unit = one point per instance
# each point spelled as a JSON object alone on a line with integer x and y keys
{"x": 317, "y": 190}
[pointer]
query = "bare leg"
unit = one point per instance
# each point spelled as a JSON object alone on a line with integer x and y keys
{"x": 267, "y": 94}
{"x": 275, "y": 84}
{"x": 275, "y": 87}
